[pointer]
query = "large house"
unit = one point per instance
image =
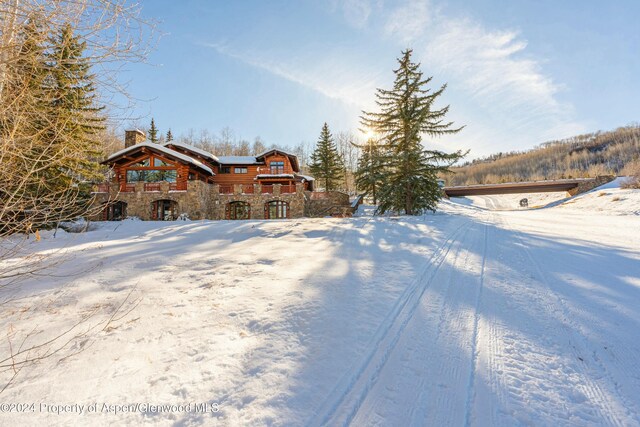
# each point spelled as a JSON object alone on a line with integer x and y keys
{"x": 166, "y": 181}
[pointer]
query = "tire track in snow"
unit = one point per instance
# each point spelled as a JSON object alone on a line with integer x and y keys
{"x": 487, "y": 390}
{"x": 346, "y": 398}
{"x": 476, "y": 324}
{"x": 442, "y": 360}
{"x": 608, "y": 408}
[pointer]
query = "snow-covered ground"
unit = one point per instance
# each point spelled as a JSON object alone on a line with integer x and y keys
{"x": 469, "y": 316}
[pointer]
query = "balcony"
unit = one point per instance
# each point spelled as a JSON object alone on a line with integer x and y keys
{"x": 288, "y": 189}
{"x": 127, "y": 188}
{"x": 147, "y": 187}
{"x": 152, "y": 186}
{"x": 247, "y": 189}
{"x": 225, "y": 189}
{"x": 267, "y": 189}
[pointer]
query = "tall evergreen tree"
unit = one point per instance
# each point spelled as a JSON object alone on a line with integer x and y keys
{"x": 24, "y": 118}
{"x": 326, "y": 163}
{"x": 76, "y": 116}
{"x": 48, "y": 130}
{"x": 370, "y": 173}
{"x": 24, "y": 89}
{"x": 169, "y": 136}
{"x": 153, "y": 132}
{"x": 406, "y": 113}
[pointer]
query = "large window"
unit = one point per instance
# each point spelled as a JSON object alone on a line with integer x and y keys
{"x": 151, "y": 169}
{"x": 276, "y": 209}
{"x": 151, "y": 175}
{"x": 240, "y": 170}
{"x": 224, "y": 169}
{"x": 276, "y": 167}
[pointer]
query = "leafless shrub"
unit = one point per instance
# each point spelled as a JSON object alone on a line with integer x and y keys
{"x": 27, "y": 346}
{"x": 632, "y": 171}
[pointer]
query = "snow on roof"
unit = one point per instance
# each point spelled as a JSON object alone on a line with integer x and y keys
{"x": 192, "y": 149}
{"x": 165, "y": 150}
{"x": 275, "y": 175}
{"x": 238, "y": 160}
{"x": 306, "y": 177}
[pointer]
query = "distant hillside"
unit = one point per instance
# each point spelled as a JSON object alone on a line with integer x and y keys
{"x": 614, "y": 152}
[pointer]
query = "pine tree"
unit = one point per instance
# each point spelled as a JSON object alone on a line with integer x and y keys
{"x": 24, "y": 118}
{"x": 406, "y": 113}
{"x": 24, "y": 92}
{"x": 48, "y": 131}
{"x": 326, "y": 163}
{"x": 169, "y": 136}
{"x": 153, "y": 132}
{"x": 369, "y": 175}
{"x": 76, "y": 116}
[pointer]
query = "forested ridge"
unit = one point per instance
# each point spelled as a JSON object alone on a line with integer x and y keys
{"x": 615, "y": 152}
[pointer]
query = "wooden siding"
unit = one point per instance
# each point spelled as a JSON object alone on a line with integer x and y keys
{"x": 236, "y": 178}
{"x": 182, "y": 170}
{"x": 277, "y": 158}
{"x": 252, "y": 171}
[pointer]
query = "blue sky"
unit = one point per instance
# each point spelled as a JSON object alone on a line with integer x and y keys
{"x": 519, "y": 72}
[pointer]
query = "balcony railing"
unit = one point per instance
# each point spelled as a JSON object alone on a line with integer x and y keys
{"x": 225, "y": 189}
{"x": 152, "y": 186}
{"x": 247, "y": 188}
{"x": 177, "y": 186}
{"x": 288, "y": 189}
{"x": 127, "y": 188}
{"x": 267, "y": 189}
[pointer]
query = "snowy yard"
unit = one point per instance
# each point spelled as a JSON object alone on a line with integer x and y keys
{"x": 468, "y": 316}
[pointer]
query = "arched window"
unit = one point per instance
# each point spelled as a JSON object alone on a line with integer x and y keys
{"x": 164, "y": 210}
{"x": 238, "y": 210}
{"x": 276, "y": 209}
{"x": 115, "y": 211}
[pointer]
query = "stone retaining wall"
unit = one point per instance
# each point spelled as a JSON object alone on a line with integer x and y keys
{"x": 202, "y": 200}
{"x": 324, "y": 203}
{"x": 591, "y": 184}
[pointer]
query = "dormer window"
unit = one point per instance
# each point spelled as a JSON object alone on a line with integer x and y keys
{"x": 276, "y": 167}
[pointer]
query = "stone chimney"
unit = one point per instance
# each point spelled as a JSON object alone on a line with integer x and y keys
{"x": 133, "y": 137}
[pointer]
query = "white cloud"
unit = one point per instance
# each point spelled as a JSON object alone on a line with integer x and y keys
{"x": 357, "y": 12}
{"x": 410, "y": 21}
{"x": 516, "y": 103}
{"x": 333, "y": 77}
{"x": 495, "y": 87}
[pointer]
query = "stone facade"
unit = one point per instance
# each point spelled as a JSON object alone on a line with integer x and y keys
{"x": 202, "y": 200}
{"x": 133, "y": 137}
{"x": 327, "y": 203}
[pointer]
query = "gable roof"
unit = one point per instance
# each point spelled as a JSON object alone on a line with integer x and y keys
{"x": 292, "y": 157}
{"x": 162, "y": 149}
